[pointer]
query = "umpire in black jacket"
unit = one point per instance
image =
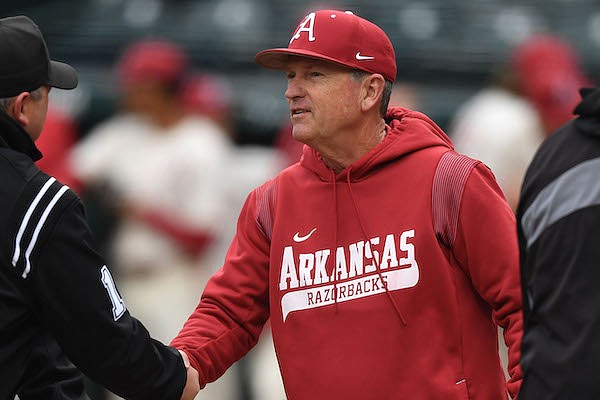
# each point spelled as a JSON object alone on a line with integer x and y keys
{"x": 559, "y": 239}
{"x": 54, "y": 288}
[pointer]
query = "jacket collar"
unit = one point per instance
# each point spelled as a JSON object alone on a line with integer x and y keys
{"x": 13, "y": 136}
{"x": 589, "y": 113}
{"x": 590, "y": 104}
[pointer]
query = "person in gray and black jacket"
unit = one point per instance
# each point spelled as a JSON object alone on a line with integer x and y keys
{"x": 57, "y": 296}
{"x": 559, "y": 239}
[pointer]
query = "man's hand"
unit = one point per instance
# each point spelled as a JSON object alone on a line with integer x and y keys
{"x": 192, "y": 386}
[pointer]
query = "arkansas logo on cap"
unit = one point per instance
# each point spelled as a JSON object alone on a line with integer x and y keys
{"x": 340, "y": 37}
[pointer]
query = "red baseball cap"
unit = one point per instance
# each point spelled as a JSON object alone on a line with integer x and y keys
{"x": 550, "y": 76}
{"x": 207, "y": 94}
{"x": 340, "y": 37}
{"x": 152, "y": 60}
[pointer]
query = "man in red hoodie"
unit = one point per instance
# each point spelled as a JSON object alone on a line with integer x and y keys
{"x": 384, "y": 259}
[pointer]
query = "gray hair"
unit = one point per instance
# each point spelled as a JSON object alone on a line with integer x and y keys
{"x": 7, "y": 101}
{"x": 387, "y": 90}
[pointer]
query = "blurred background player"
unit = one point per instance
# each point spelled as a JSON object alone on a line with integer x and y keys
{"x": 210, "y": 96}
{"x": 58, "y": 137}
{"x": 530, "y": 96}
{"x": 159, "y": 169}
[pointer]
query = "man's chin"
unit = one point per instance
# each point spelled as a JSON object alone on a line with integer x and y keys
{"x": 300, "y": 135}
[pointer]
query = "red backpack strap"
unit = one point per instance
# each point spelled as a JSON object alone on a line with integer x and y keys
{"x": 449, "y": 181}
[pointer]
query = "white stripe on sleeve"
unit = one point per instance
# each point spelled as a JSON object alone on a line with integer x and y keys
{"x": 26, "y": 218}
{"x": 39, "y": 226}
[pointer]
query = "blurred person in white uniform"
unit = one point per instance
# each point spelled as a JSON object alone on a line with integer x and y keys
{"x": 533, "y": 94}
{"x": 161, "y": 168}
{"x": 502, "y": 129}
{"x": 210, "y": 96}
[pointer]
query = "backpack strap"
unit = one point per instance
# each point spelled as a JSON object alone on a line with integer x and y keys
{"x": 449, "y": 182}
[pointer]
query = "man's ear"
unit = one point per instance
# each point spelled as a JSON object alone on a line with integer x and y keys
{"x": 373, "y": 86}
{"x": 17, "y": 109}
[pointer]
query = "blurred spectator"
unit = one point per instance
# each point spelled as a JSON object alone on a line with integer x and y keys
{"x": 549, "y": 76}
{"x": 209, "y": 95}
{"x": 501, "y": 128}
{"x": 161, "y": 168}
{"x": 58, "y": 137}
{"x": 504, "y": 123}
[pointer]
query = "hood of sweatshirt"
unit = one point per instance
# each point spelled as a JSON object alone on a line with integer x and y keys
{"x": 407, "y": 131}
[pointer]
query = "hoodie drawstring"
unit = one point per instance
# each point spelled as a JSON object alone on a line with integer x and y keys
{"x": 335, "y": 230}
{"x": 364, "y": 231}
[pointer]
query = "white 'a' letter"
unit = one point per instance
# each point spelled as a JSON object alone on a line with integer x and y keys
{"x": 288, "y": 270}
{"x": 389, "y": 258}
{"x": 308, "y": 26}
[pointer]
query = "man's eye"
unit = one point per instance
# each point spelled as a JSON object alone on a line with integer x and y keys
{"x": 315, "y": 73}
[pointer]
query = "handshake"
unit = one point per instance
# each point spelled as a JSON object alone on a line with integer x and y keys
{"x": 192, "y": 386}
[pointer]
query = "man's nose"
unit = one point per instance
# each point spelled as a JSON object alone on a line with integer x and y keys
{"x": 294, "y": 89}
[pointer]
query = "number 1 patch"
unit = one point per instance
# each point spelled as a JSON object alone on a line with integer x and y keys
{"x": 118, "y": 304}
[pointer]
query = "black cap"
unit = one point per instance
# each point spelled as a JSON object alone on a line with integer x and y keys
{"x": 24, "y": 61}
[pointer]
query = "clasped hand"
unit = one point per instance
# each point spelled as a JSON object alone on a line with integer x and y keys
{"x": 192, "y": 386}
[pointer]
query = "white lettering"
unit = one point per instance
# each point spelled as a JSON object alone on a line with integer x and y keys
{"x": 321, "y": 257}
{"x": 356, "y": 259}
{"x": 340, "y": 271}
{"x": 409, "y": 248}
{"x": 308, "y": 26}
{"x": 356, "y": 288}
{"x": 288, "y": 270}
{"x": 372, "y": 254}
{"x": 305, "y": 266}
{"x": 389, "y": 258}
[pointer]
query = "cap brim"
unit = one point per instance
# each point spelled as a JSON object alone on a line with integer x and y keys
{"x": 279, "y": 57}
{"x": 62, "y": 76}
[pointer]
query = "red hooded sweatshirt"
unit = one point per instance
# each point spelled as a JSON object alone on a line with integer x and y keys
{"x": 379, "y": 284}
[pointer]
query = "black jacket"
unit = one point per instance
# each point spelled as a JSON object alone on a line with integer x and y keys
{"x": 55, "y": 286}
{"x": 559, "y": 238}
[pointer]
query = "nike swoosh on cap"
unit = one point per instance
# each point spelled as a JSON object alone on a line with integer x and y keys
{"x": 361, "y": 57}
